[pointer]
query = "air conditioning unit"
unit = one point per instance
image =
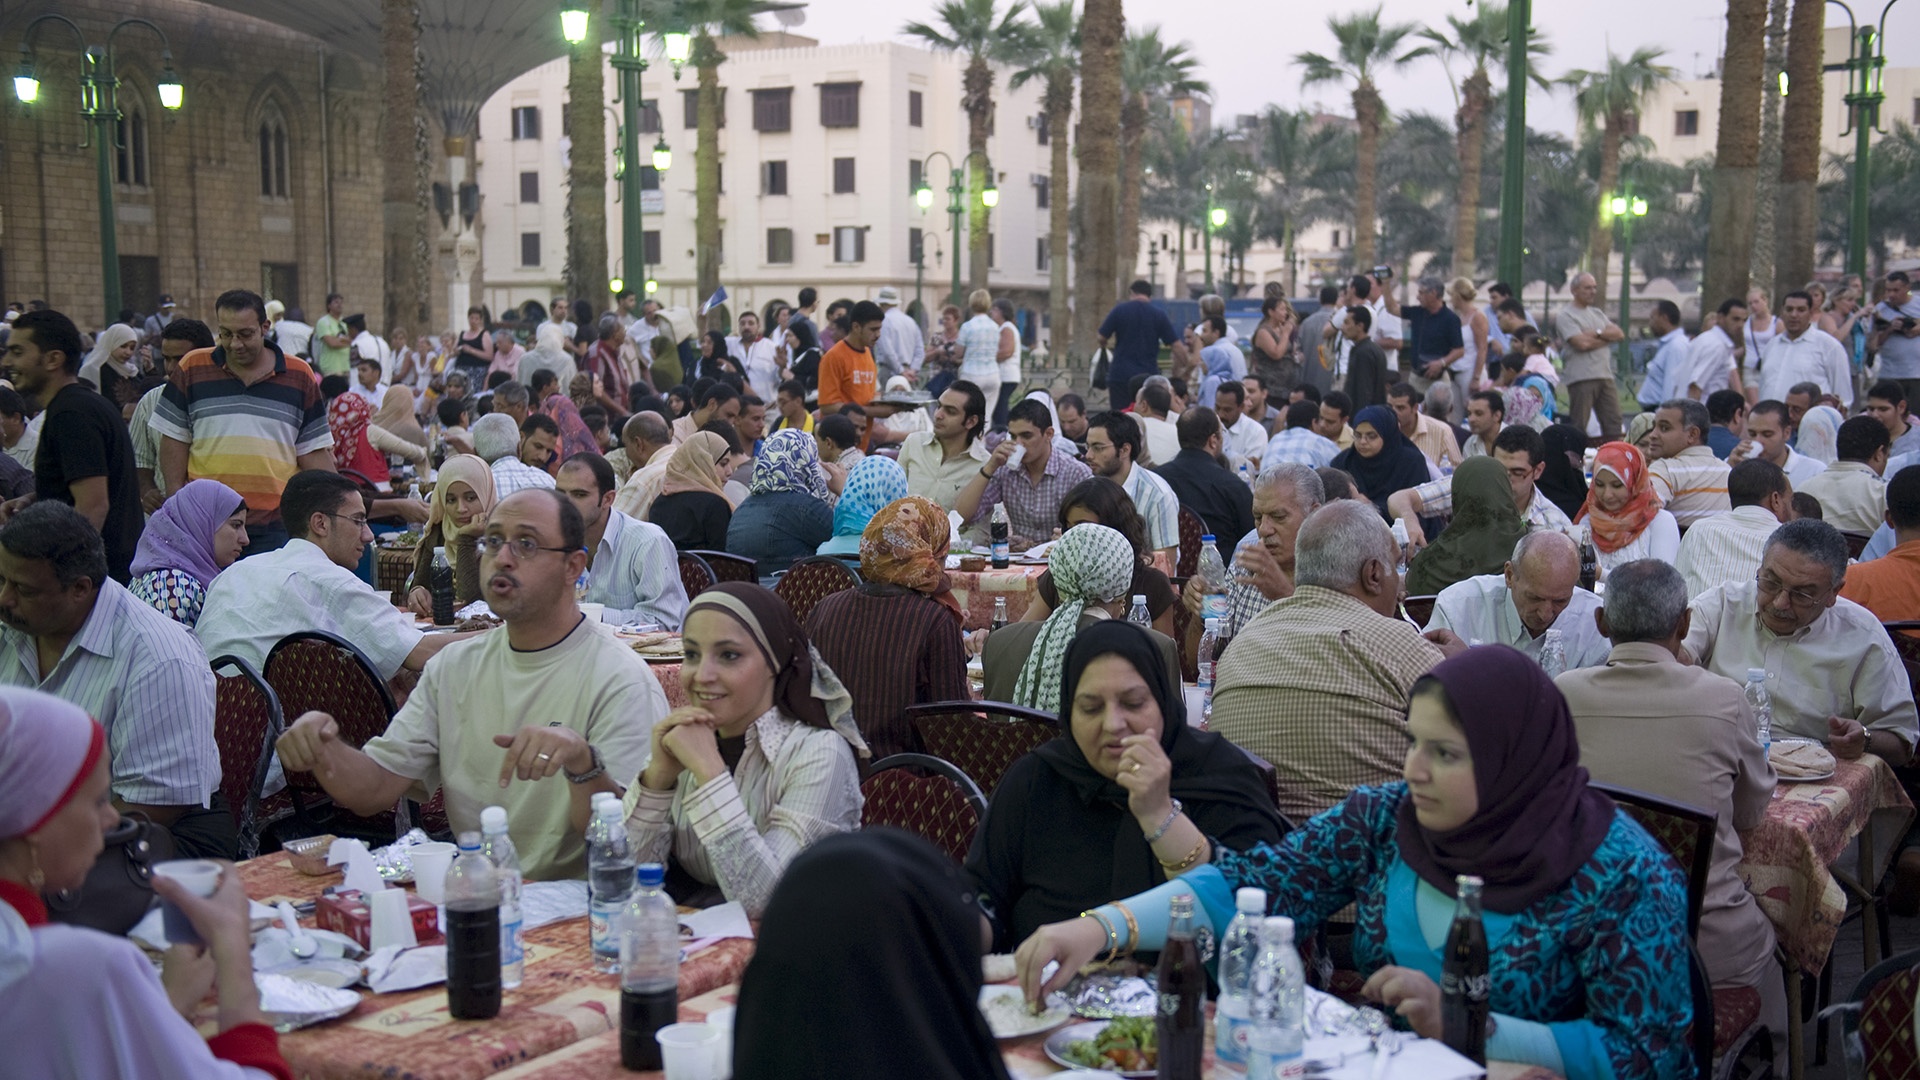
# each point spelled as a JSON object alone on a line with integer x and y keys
{"x": 1037, "y": 179}
{"x": 1033, "y": 123}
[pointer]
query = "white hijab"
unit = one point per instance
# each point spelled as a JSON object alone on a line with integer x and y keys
{"x": 110, "y": 339}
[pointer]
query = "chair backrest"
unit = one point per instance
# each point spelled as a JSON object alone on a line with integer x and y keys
{"x": 982, "y": 738}
{"x": 1856, "y": 542}
{"x": 696, "y": 574}
{"x": 927, "y": 796}
{"x": 1686, "y": 832}
{"x": 1186, "y": 629}
{"x": 1885, "y": 999}
{"x": 1905, "y": 635}
{"x": 1421, "y": 608}
{"x": 812, "y": 580}
{"x": 317, "y": 670}
{"x": 1191, "y": 530}
{"x": 727, "y": 566}
{"x": 246, "y": 721}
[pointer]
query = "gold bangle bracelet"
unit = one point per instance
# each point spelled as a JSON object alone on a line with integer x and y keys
{"x": 1113, "y": 938}
{"x": 1186, "y": 863}
{"x": 1133, "y": 928}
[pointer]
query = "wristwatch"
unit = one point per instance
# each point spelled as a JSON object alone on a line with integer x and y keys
{"x": 599, "y": 768}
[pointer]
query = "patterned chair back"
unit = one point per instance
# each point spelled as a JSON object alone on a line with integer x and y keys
{"x": 1906, "y": 642}
{"x": 1191, "y": 530}
{"x": 1885, "y": 999}
{"x": 1185, "y": 628}
{"x": 317, "y": 670}
{"x": 1421, "y": 608}
{"x": 982, "y": 738}
{"x": 1856, "y": 542}
{"x": 696, "y": 574}
{"x": 727, "y": 566}
{"x": 812, "y": 580}
{"x": 246, "y": 721}
{"x": 926, "y": 796}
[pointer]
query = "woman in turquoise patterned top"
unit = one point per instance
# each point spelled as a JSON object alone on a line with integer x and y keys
{"x": 1585, "y": 914}
{"x": 198, "y": 532}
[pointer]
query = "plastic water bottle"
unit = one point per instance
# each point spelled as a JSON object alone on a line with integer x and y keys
{"x": 1761, "y": 703}
{"x": 1239, "y": 951}
{"x": 649, "y": 930}
{"x": 1246, "y": 474}
{"x": 609, "y": 879}
{"x": 1000, "y": 529}
{"x": 580, "y": 586}
{"x": 1553, "y": 653}
{"x": 1401, "y": 541}
{"x": 1138, "y": 614}
{"x": 1214, "y": 581}
{"x": 441, "y": 579}
{"x": 1209, "y": 645}
{"x": 1277, "y": 1005}
{"x": 497, "y": 846}
{"x": 473, "y": 934}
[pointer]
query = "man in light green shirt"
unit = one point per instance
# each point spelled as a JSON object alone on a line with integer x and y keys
{"x": 330, "y": 339}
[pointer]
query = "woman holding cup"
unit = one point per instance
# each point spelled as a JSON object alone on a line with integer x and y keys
{"x": 77, "y": 1002}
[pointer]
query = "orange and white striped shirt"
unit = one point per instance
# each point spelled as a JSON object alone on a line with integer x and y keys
{"x": 1692, "y": 484}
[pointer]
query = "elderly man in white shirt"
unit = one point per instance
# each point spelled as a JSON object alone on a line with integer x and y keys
{"x": 496, "y": 439}
{"x": 1726, "y": 548}
{"x": 1802, "y": 352}
{"x": 901, "y": 344}
{"x": 1832, "y": 672}
{"x": 1538, "y": 592}
{"x": 632, "y": 571}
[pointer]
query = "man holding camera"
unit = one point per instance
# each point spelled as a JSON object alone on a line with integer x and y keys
{"x": 1896, "y": 334}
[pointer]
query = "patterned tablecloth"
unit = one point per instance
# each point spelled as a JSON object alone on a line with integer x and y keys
{"x": 561, "y": 1002}
{"x": 977, "y": 591}
{"x": 1808, "y": 826}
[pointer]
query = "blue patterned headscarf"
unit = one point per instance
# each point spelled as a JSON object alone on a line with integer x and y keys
{"x": 874, "y": 482}
{"x": 789, "y": 461}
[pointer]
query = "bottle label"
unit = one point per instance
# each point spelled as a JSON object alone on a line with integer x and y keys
{"x": 1230, "y": 1038}
{"x": 1468, "y": 987}
{"x": 600, "y": 930}
{"x": 1214, "y": 606}
{"x": 510, "y": 941}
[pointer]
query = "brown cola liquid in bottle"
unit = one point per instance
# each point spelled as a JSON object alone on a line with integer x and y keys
{"x": 1464, "y": 983}
{"x": 1180, "y": 1026}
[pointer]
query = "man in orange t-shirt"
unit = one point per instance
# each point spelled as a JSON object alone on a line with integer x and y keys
{"x": 847, "y": 371}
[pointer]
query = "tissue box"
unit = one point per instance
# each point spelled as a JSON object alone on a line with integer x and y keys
{"x": 346, "y": 912}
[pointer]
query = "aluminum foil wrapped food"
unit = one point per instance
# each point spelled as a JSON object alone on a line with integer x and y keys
{"x": 395, "y": 861}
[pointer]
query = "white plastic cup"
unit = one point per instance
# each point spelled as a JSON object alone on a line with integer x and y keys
{"x": 689, "y": 1051}
{"x": 430, "y": 863}
{"x": 201, "y": 877}
{"x": 1196, "y": 701}
{"x": 722, "y": 1018}
{"x": 593, "y": 612}
{"x": 1019, "y": 455}
{"x": 390, "y": 921}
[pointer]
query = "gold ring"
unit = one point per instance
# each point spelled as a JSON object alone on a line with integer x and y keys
{"x": 1136, "y": 767}
{"x": 544, "y": 756}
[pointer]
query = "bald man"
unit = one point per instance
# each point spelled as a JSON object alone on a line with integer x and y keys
{"x": 1586, "y": 339}
{"x": 1537, "y": 591}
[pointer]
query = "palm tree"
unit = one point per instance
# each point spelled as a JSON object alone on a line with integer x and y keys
{"x": 1800, "y": 150}
{"x": 1766, "y": 182}
{"x": 1055, "y": 60}
{"x": 977, "y": 30}
{"x": 403, "y": 138}
{"x": 1736, "y": 154}
{"x": 1096, "y": 146}
{"x": 1610, "y": 100}
{"x": 1364, "y": 45}
{"x": 587, "y": 261}
{"x": 1479, "y": 42}
{"x": 1151, "y": 72}
{"x": 1307, "y": 180}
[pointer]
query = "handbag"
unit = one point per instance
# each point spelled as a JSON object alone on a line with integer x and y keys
{"x": 119, "y": 889}
{"x": 1102, "y": 360}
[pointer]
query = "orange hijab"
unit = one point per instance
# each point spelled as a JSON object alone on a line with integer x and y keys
{"x": 1613, "y": 531}
{"x": 906, "y": 544}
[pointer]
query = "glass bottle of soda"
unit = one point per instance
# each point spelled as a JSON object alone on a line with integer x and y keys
{"x": 999, "y": 614}
{"x": 999, "y": 530}
{"x": 1589, "y": 558}
{"x": 441, "y": 581}
{"x": 1464, "y": 982}
{"x": 649, "y": 930}
{"x": 473, "y": 934}
{"x": 1180, "y": 1024}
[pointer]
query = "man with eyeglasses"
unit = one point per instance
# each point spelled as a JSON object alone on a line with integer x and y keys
{"x": 536, "y": 716}
{"x": 311, "y": 584}
{"x": 1832, "y": 672}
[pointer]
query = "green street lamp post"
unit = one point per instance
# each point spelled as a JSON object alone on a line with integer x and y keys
{"x": 1513, "y": 175}
{"x": 1864, "y": 97}
{"x": 1216, "y": 217}
{"x": 628, "y": 61}
{"x": 98, "y": 104}
{"x": 1625, "y": 208}
{"x": 956, "y": 194}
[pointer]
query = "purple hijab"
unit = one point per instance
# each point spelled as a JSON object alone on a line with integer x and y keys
{"x": 1539, "y": 821}
{"x": 179, "y": 535}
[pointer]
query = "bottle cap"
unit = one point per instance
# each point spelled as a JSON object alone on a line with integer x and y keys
{"x": 493, "y": 819}
{"x": 1139, "y": 598}
{"x": 650, "y": 874}
{"x": 1206, "y": 538}
{"x": 1277, "y": 930}
{"x": 469, "y": 841}
{"x": 1466, "y": 883}
{"x": 607, "y": 809}
{"x": 1756, "y": 674}
{"x": 1213, "y": 623}
{"x": 439, "y": 551}
{"x": 1250, "y": 901}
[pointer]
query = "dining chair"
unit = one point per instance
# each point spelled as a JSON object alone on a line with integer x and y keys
{"x": 982, "y": 738}
{"x": 1420, "y": 608}
{"x": 246, "y": 722}
{"x": 1186, "y": 630}
{"x": 1191, "y": 530}
{"x": 314, "y": 670}
{"x": 727, "y": 566}
{"x": 927, "y": 796}
{"x": 813, "y": 579}
{"x": 1880, "y": 1015}
{"x": 696, "y": 574}
{"x": 1856, "y": 542}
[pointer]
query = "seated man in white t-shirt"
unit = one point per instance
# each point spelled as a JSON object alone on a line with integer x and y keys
{"x": 535, "y": 716}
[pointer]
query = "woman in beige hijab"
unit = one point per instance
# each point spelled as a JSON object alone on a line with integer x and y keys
{"x": 692, "y": 507}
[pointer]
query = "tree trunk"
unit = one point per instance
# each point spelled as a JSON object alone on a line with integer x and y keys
{"x": 979, "y": 105}
{"x": 1177, "y": 289}
{"x": 1368, "y": 111}
{"x": 1471, "y": 123}
{"x": 1096, "y": 145}
{"x": 1736, "y": 154}
{"x": 1133, "y": 132}
{"x": 1293, "y": 269}
{"x": 1600, "y": 240}
{"x": 706, "y": 181}
{"x": 1766, "y": 186}
{"x": 1797, "y": 213}
{"x": 404, "y": 156}
{"x": 1059, "y": 306}
{"x": 587, "y": 175}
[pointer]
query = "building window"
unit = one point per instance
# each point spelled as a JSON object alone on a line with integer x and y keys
{"x": 273, "y": 158}
{"x": 529, "y": 249}
{"x": 1040, "y": 259}
{"x": 529, "y": 187}
{"x": 650, "y": 248}
{"x": 1041, "y": 128}
{"x": 690, "y": 103}
{"x": 849, "y": 244}
{"x": 840, "y": 105}
{"x": 280, "y": 281}
{"x": 773, "y": 109}
{"x": 916, "y": 101}
{"x": 1042, "y": 192}
{"x": 526, "y": 122}
{"x": 649, "y": 178}
{"x": 1336, "y": 238}
{"x": 650, "y": 116}
{"x": 916, "y": 245}
{"x": 773, "y": 178}
{"x": 843, "y": 176}
{"x": 1686, "y": 122}
{"x": 916, "y": 175}
{"x": 130, "y": 155}
{"x": 1916, "y": 111}
{"x": 780, "y": 246}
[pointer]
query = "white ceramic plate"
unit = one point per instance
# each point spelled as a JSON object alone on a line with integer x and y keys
{"x": 1007, "y": 1016}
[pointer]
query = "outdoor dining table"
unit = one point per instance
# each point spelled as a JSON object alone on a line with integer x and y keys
{"x": 976, "y": 590}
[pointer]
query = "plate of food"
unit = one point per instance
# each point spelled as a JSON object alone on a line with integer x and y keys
{"x": 1121, "y": 1047}
{"x": 1010, "y": 1017}
{"x": 660, "y": 646}
{"x": 1800, "y": 761}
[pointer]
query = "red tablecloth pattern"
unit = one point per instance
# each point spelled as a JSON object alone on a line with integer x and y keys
{"x": 1807, "y": 827}
{"x": 977, "y": 591}
{"x": 561, "y": 1001}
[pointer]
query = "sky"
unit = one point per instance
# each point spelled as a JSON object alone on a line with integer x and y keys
{"x": 1246, "y": 46}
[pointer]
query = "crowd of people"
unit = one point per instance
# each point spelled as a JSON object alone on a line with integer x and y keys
{"x": 198, "y": 492}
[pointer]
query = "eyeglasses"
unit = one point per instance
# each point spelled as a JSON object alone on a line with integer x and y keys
{"x": 523, "y": 547}
{"x": 1800, "y": 598}
{"x": 359, "y": 520}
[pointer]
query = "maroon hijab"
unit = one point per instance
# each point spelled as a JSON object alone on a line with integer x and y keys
{"x": 1539, "y": 821}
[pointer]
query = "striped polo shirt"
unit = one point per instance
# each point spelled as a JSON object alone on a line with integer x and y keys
{"x": 1692, "y": 484}
{"x": 249, "y": 438}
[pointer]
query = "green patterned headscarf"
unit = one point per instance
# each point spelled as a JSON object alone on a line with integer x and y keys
{"x": 1091, "y": 564}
